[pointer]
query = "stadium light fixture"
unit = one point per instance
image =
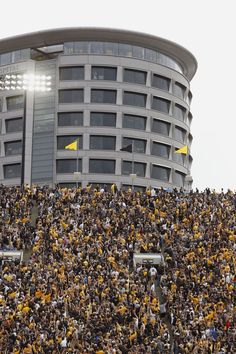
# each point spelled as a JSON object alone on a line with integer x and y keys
{"x": 25, "y": 82}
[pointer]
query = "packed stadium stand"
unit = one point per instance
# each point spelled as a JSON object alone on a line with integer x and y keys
{"x": 77, "y": 289}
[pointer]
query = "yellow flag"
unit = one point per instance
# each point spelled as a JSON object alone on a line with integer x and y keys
{"x": 183, "y": 150}
{"x": 72, "y": 146}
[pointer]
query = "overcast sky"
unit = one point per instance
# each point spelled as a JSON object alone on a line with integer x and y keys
{"x": 206, "y": 28}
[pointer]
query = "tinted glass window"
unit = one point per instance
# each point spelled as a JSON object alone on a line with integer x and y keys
{"x": 12, "y": 171}
{"x": 97, "y": 47}
{"x": 15, "y": 102}
{"x": 139, "y": 144}
{"x": 179, "y": 90}
{"x": 103, "y": 96}
{"x": 179, "y": 178}
{"x": 64, "y": 140}
{"x": 102, "y": 119}
{"x": 14, "y": 125}
{"x": 179, "y": 134}
{"x": 72, "y": 73}
{"x": 13, "y": 148}
{"x": 134, "y": 99}
{"x": 179, "y": 112}
{"x": 103, "y": 73}
{"x": 139, "y": 168}
{"x": 161, "y": 82}
{"x": 70, "y": 119}
{"x": 102, "y": 166}
{"x": 135, "y": 76}
{"x": 179, "y": 158}
{"x": 69, "y": 165}
{"x": 161, "y": 150}
{"x": 125, "y": 50}
{"x": 160, "y": 172}
{"x": 71, "y": 96}
{"x": 161, "y": 104}
{"x": 102, "y": 142}
{"x": 160, "y": 127}
{"x": 134, "y": 122}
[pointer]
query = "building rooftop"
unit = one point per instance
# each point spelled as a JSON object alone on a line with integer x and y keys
{"x": 61, "y": 35}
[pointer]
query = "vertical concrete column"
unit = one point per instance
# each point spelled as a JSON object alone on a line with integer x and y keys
{"x": 86, "y": 164}
{"x": 86, "y": 118}
{"x": 148, "y": 124}
{"x": 119, "y": 74}
{"x": 119, "y": 120}
{"x": 87, "y": 94}
{"x": 149, "y": 79}
{"x": 87, "y": 72}
{"x": 86, "y": 141}
{"x": 119, "y": 98}
{"x": 149, "y": 101}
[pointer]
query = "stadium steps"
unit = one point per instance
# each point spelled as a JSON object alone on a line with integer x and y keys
{"x": 34, "y": 214}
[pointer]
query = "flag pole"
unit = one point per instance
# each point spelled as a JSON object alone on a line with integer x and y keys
{"x": 77, "y": 164}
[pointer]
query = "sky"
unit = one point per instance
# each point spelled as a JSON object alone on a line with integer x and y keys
{"x": 205, "y": 27}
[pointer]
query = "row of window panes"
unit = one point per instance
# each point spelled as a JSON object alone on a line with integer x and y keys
{"x": 106, "y": 97}
{"x": 120, "y": 49}
{"x": 106, "y": 167}
{"x": 105, "y": 119}
{"x": 129, "y": 98}
{"x": 129, "y": 75}
{"x": 130, "y": 121}
{"x": 14, "y": 57}
{"x": 100, "y": 142}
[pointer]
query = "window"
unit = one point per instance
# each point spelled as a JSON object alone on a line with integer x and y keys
{"x": 12, "y": 171}
{"x": 103, "y": 96}
{"x": 179, "y": 90}
{"x": 179, "y": 134}
{"x": 160, "y": 127}
{"x": 134, "y": 99}
{"x": 70, "y": 119}
{"x": 103, "y": 73}
{"x": 160, "y": 82}
{"x": 104, "y": 119}
{"x": 160, "y": 172}
{"x": 125, "y": 50}
{"x": 179, "y": 112}
{"x": 72, "y": 73}
{"x": 179, "y": 158}
{"x": 189, "y": 98}
{"x": 64, "y": 140}
{"x": 160, "y": 104}
{"x": 69, "y": 165}
{"x": 101, "y": 166}
{"x": 135, "y": 76}
{"x": 15, "y": 102}
{"x": 98, "y": 142}
{"x": 96, "y": 48}
{"x": 134, "y": 122}
{"x": 13, "y": 147}
{"x": 161, "y": 150}
{"x": 71, "y": 96}
{"x": 179, "y": 178}
{"x": 139, "y": 144}
{"x": 14, "y": 125}
{"x": 139, "y": 168}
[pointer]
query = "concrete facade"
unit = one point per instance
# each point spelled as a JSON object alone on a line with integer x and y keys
{"x": 43, "y": 130}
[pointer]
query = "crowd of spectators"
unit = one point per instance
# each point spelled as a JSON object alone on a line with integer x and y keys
{"x": 79, "y": 292}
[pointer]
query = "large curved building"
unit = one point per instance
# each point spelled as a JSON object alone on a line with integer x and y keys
{"x": 111, "y": 89}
